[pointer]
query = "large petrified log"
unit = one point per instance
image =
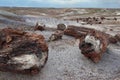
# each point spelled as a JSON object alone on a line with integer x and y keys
{"x": 22, "y": 52}
{"x": 93, "y": 43}
{"x": 77, "y": 32}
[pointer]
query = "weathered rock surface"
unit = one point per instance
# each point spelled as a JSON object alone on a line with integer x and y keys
{"x": 22, "y": 52}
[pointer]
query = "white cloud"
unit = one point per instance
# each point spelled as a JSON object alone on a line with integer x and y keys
{"x": 36, "y": 0}
{"x": 67, "y": 1}
{"x": 73, "y": 2}
{"x": 62, "y": 1}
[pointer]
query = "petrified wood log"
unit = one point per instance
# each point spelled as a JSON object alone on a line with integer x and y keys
{"x": 56, "y": 35}
{"x": 113, "y": 40}
{"x": 92, "y": 44}
{"x": 77, "y": 32}
{"x": 115, "y": 18}
{"x": 22, "y": 52}
{"x": 39, "y": 26}
{"x": 117, "y": 36}
{"x": 102, "y": 17}
{"x": 61, "y": 27}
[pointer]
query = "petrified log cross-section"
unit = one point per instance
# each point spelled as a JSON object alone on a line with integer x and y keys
{"x": 93, "y": 43}
{"x": 22, "y": 52}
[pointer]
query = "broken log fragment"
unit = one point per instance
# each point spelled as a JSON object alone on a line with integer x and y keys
{"x": 92, "y": 44}
{"x": 56, "y": 35}
{"x": 39, "y": 26}
{"x": 113, "y": 40}
{"x": 117, "y": 36}
{"x": 22, "y": 52}
{"x": 61, "y": 27}
{"x": 115, "y": 18}
{"x": 102, "y": 17}
{"x": 76, "y": 31}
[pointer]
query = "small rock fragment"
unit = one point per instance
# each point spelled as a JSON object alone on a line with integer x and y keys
{"x": 8, "y": 39}
{"x": 39, "y": 26}
{"x": 102, "y": 17}
{"x": 117, "y": 36}
{"x": 115, "y": 18}
{"x": 56, "y": 35}
{"x": 113, "y": 40}
{"x": 61, "y": 27}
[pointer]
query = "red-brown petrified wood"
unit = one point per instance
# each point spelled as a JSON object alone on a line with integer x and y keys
{"x": 22, "y": 52}
{"x": 95, "y": 47}
{"x": 92, "y": 44}
{"x": 77, "y": 32}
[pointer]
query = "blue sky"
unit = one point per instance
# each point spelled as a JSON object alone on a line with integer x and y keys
{"x": 62, "y": 3}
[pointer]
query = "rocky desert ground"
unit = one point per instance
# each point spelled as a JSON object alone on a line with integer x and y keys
{"x": 65, "y": 61}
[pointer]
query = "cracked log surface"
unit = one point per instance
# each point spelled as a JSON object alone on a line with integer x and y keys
{"x": 92, "y": 44}
{"x": 22, "y": 52}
